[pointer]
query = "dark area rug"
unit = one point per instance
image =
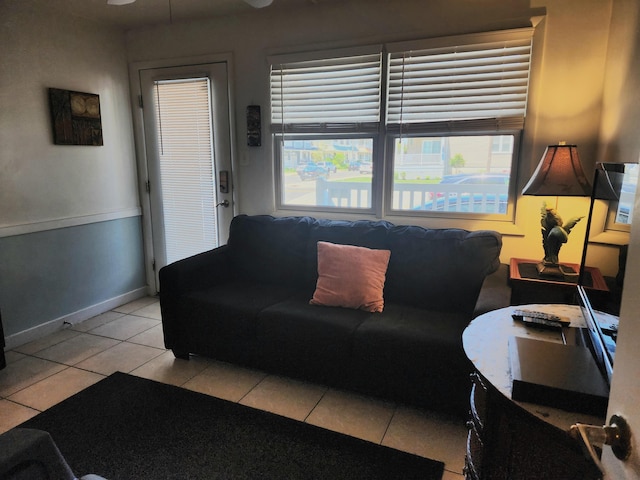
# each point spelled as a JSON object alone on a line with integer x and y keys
{"x": 125, "y": 427}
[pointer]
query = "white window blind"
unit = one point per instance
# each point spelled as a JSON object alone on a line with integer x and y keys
{"x": 186, "y": 166}
{"x": 477, "y": 84}
{"x": 333, "y": 93}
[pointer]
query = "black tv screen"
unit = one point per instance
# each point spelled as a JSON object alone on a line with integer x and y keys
{"x": 615, "y": 184}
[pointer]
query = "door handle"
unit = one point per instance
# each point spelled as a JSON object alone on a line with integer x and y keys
{"x": 225, "y": 204}
{"x": 617, "y": 435}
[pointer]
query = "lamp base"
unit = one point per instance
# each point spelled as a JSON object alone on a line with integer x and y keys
{"x": 555, "y": 270}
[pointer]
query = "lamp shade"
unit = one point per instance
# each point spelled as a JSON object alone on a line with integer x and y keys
{"x": 559, "y": 174}
{"x": 259, "y": 3}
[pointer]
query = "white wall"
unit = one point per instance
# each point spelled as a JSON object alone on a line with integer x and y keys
{"x": 40, "y": 181}
{"x": 70, "y": 232}
{"x": 621, "y": 143}
{"x": 251, "y": 37}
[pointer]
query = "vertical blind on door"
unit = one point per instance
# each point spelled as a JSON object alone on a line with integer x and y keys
{"x": 183, "y": 116}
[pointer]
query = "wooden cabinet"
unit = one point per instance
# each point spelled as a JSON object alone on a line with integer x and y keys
{"x": 505, "y": 442}
{"x": 511, "y": 440}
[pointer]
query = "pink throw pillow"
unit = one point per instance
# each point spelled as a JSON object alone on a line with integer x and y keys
{"x": 351, "y": 277}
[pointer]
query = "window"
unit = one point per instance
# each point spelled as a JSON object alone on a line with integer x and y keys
{"x": 465, "y": 178}
{"x": 453, "y": 110}
{"x": 502, "y": 144}
{"x": 621, "y": 209}
{"x": 332, "y": 107}
{"x": 332, "y": 175}
{"x": 432, "y": 146}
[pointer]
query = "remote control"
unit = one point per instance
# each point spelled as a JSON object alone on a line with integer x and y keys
{"x": 539, "y": 319}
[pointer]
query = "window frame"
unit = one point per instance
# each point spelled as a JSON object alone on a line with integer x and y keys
{"x": 508, "y": 216}
{"x": 613, "y": 206}
{"x": 279, "y": 170}
{"x": 501, "y": 146}
{"x": 382, "y": 182}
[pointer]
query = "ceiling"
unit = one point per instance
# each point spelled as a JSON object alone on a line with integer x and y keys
{"x": 151, "y": 12}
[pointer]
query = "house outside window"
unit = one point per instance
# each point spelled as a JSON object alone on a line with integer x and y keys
{"x": 447, "y": 126}
{"x": 502, "y": 144}
{"x": 432, "y": 146}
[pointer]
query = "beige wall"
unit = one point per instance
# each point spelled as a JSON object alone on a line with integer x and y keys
{"x": 565, "y": 102}
{"x": 49, "y": 182}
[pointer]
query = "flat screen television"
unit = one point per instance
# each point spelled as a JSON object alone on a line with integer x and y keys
{"x": 614, "y": 185}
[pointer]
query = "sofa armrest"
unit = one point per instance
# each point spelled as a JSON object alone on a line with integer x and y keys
{"x": 195, "y": 273}
{"x": 191, "y": 274}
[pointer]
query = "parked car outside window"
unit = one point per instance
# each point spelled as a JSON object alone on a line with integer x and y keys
{"x": 354, "y": 166}
{"x": 330, "y": 166}
{"x": 477, "y": 179}
{"x": 312, "y": 170}
{"x": 366, "y": 168}
{"x": 468, "y": 203}
{"x": 473, "y": 179}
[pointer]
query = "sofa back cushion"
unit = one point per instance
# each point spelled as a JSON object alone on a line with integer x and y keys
{"x": 439, "y": 269}
{"x": 268, "y": 249}
{"x": 360, "y": 233}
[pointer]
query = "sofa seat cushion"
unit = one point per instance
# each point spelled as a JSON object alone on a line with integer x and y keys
{"x": 221, "y": 320}
{"x": 299, "y": 339}
{"x": 407, "y": 352}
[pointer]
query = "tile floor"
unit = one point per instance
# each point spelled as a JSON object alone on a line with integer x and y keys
{"x": 129, "y": 339}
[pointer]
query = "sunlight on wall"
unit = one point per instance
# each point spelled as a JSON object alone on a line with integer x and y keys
{"x": 571, "y": 76}
{"x": 619, "y": 69}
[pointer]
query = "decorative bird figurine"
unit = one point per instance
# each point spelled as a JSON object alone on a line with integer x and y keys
{"x": 554, "y": 233}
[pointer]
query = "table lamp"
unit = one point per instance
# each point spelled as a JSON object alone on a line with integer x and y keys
{"x": 558, "y": 174}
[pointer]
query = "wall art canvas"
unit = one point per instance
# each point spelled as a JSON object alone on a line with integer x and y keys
{"x": 76, "y": 117}
{"x": 254, "y": 129}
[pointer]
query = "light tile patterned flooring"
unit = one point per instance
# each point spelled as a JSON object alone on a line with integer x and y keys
{"x": 129, "y": 339}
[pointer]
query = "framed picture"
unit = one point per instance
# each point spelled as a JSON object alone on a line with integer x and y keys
{"x": 75, "y": 117}
{"x": 254, "y": 130}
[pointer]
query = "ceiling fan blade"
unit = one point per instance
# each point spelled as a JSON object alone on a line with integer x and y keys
{"x": 259, "y": 3}
{"x": 119, "y": 2}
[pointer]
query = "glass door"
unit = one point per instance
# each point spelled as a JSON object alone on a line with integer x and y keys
{"x": 187, "y": 139}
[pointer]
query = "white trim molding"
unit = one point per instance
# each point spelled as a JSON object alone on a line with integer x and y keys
{"x": 52, "y": 326}
{"x": 41, "y": 226}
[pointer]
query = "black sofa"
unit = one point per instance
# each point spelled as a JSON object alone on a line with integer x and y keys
{"x": 247, "y": 302}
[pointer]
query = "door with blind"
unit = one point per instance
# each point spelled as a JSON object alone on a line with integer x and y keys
{"x": 188, "y": 150}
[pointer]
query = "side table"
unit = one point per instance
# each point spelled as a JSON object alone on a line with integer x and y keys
{"x": 527, "y": 287}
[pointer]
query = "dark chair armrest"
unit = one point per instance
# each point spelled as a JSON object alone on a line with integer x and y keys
{"x": 29, "y": 453}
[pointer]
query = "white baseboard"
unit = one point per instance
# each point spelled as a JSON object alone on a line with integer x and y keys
{"x": 74, "y": 318}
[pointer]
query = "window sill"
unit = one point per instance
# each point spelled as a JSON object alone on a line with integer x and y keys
{"x": 504, "y": 227}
